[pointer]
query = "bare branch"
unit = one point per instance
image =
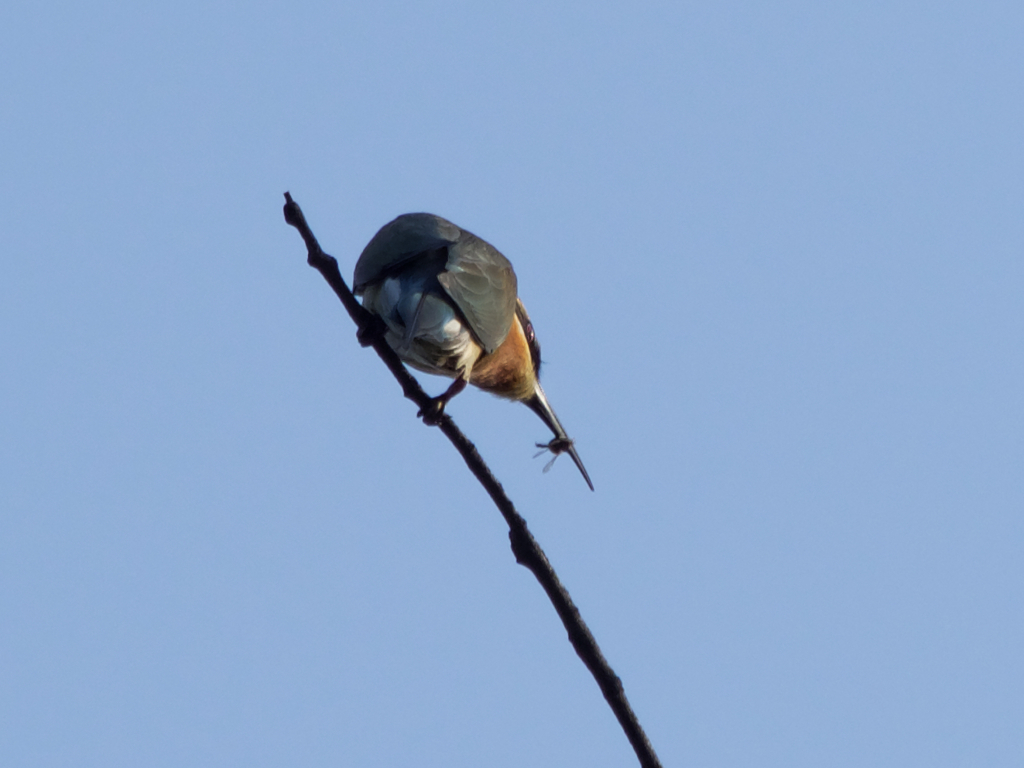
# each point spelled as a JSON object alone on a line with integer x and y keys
{"x": 525, "y": 548}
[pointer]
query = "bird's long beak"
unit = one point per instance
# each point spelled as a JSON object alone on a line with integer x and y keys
{"x": 539, "y": 404}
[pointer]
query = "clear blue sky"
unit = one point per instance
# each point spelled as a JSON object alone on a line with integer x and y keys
{"x": 775, "y": 258}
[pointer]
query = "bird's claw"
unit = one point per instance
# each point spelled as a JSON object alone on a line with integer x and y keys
{"x": 372, "y": 329}
{"x": 432, "y": 414}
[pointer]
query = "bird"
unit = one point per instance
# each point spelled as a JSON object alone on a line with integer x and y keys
{"x": 450, "y": 306}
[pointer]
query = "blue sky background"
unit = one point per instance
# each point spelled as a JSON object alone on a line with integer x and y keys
{"x": 775, "y": 257}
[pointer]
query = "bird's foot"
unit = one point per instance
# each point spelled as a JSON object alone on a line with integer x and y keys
{"x": 372, "y": 329}
{"x": 432, "y": 414}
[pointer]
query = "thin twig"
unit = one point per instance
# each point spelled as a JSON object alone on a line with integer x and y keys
{"x": 525, "y": 548}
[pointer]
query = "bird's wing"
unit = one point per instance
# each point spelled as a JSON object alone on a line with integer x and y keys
{"x": 400, "y": 241}
{"x": 482, "y": 284}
